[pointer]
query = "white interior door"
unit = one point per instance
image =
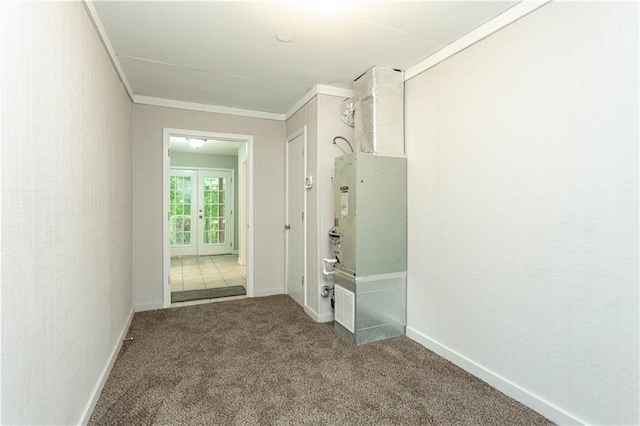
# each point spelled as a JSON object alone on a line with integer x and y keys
{"x": 215, "y": 212}
{"x": 295, "y": 217}
{"x": 182, "y": 212}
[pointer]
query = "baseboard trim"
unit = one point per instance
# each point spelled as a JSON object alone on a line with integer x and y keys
{"x": 148, "y": 307}
{"x": 325, "y": 317}
{"x": 268, "y": 292}
{"x": 316, "y": 316}
{"x": 95, "y": 394}
{"x": 536, "y": 403}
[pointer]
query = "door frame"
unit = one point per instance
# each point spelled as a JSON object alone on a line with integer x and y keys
{"x": 242, "y": 226}
{"x": 290, "y": 137}
{"x": 167, "y": 132}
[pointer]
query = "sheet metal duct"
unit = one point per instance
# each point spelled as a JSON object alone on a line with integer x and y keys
{"x": 379, "y": 111}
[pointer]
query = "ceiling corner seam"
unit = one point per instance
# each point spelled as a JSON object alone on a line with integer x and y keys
{"x": 92, "y": 13}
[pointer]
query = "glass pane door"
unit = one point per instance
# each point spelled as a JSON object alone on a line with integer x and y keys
{"x": 182, "y": 197}
{"x": 215, "y": 212}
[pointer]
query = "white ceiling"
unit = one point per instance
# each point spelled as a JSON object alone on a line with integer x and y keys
{"x": 225, "y": 53}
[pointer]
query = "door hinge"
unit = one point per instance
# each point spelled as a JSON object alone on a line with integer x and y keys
{"x": 168, "y": 152}
{"x": 302, "y": 280}
{"x": 168, "y": 215}
{"x": 302, "y": 215}
{"x": 169, "y": 280}
{"x": 231, "y": 212}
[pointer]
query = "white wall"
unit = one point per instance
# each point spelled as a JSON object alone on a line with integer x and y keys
{"x": 66, "y": 212}
{"x": 523, "y": 210}
{"x": 321, "y": 115}
{"x": 268, "y": 192}
{"x": 189, "y": 159}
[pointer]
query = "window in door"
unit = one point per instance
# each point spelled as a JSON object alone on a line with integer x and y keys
{"x": 215, "y": 212}
{"x": 201, "y": 212}
{"x": 182, "y": 190}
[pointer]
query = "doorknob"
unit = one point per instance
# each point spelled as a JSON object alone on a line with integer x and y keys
{"x": 287, "y": 227}
{"x": 200, "y": 216}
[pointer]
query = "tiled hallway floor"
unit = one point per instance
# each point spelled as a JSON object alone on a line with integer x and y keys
{"x": 200, "y": 272}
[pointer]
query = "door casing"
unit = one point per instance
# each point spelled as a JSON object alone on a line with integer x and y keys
{"x": 167, "y": 132}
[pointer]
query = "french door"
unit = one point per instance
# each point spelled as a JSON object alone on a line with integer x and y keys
{"x": 201, "y": 212}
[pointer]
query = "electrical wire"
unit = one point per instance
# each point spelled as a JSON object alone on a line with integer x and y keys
{"x": 344, "y": 139}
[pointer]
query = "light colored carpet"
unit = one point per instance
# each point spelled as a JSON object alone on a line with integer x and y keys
{"x": 263, "y": 361}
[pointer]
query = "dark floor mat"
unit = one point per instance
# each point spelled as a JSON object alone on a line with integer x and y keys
{"x": 208, "y": 293}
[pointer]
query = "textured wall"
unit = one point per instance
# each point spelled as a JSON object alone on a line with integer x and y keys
{"x": 268, "y": 193}
{"x": 66, "y": 211}
{"x": 523, "y": 207}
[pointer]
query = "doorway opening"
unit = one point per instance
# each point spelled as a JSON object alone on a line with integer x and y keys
{"x": 206, "y": 187}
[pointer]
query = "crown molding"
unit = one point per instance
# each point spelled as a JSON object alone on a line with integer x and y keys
{"x": 102, "y": 34}
{"x": 507, "y": 17}
{"x": 318, "y": 89}
{"x": 170, "y": 103}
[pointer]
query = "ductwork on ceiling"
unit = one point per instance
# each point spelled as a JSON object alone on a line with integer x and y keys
{"x": 379, "y": 111}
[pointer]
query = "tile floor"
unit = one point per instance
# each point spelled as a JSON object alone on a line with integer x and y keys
{"x": 200, "y": 272}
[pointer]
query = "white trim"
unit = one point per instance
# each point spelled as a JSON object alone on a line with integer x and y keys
{"x": 166, "y": 166}
{"x": 300, "y": 132}
{"x": 533, "y": 401}
{"x": 320, "y": 277}
{"x": 316, "y": 90}
{"x": 507, "y": 17}
{"x": 169, "y": 103}
{"x": 334, "y": 91}
{"x": 97, "y": 389}
{"x": 102, "y": 34}
{"x": 149, "y": 307}
{"x": 317, "y": 317}
{"x": 268, "y": 292}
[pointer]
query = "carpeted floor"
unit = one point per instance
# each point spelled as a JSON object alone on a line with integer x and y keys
{"x": 263, "y": 361}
